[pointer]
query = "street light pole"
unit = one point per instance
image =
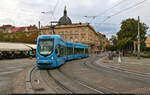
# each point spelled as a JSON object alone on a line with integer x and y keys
{"x": 39, "y": 28}
{"x": 138, "y": 37}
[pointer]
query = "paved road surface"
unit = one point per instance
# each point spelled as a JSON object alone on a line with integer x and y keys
{"x": 9, "y": 71}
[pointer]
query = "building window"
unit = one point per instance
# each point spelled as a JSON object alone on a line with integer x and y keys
{"x": 76, "y": 32}
{"x": 66, "y": 33}
{"x": 71, "y": 38}
{"x": 70, "y": 32}
{"x": 82, "y": 36}
{"x": 76, "y": 37}
{"x": 83, "y": 39}
{"x": 83, "y": 32}
{"x": 62, "y": 33}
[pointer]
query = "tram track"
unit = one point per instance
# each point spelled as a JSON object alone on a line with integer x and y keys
{"x": 122, "y": 75}
{"x": 84, "y": 84}
{"x": 38, "y": 85}
{"x": 100, "y": 67}
{"x": 59, "y": 83}
{"x": 74, "y": 85}
{"x": 43, "y": 82}
{"x": 63, "y": 82}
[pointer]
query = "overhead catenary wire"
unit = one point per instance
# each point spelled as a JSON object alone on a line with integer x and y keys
{"x": 117, "y": 4}
{"x": 135, "y": 5}
{"x": 55, "y": 8}
{"x": 120, "y": 2}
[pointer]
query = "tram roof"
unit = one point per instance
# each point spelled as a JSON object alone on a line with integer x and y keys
{"x": 84, "y": 45}
{"x": 13, "y": 47}
{"x": 49, "y": 36}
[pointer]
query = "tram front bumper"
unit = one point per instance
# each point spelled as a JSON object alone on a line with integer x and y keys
{"x": 45, "y": 63}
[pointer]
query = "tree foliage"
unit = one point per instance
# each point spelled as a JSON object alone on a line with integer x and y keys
{"x": 111, "y": 48}
{"x": 113, "y": 39}
{"x": 128, "y": 34}
{"x": 21, "y": 37}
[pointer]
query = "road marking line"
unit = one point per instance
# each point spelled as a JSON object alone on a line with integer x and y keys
{"x": 90, "y": 87}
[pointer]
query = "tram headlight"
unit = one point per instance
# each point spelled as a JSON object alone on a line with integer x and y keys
{"x": 38, "y": 58}
{"x": 52, "y": 58}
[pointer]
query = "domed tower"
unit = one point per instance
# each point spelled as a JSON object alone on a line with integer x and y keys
{"x": 64, "y": 20}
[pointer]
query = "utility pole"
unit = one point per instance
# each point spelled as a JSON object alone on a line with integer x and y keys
{"x": 39, "y": 28}
{"x": 53, "y": 26}
{"x": 138, "y": 37}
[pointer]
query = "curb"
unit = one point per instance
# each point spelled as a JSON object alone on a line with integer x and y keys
{"x": 123, "y": 70}
{"x": 28, "y": 80}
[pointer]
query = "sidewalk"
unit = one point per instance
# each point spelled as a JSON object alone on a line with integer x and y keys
{"x": 131, "y": 64}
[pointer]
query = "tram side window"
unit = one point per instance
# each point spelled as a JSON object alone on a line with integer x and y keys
{"x": 66, "y": 53}
{"x": 82, "y": 50}
{"x": 59, "y": 50}
{"x": 86, "y": 51}
{"x": 69, "y": 51}
{"x": 72, "y": 51}
{"x": 62, "y": 50}
{"x": 75, "y": 51}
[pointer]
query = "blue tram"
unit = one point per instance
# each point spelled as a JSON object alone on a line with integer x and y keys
{"x": 52, "y": 51}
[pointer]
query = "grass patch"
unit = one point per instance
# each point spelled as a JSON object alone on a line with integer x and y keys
{"x": 144, "y": 54}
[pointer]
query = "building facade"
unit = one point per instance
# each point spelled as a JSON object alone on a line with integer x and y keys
{"x": 80, "y": 32}
{"x": 147, "y": 41}
{"x": 103, "y": 41}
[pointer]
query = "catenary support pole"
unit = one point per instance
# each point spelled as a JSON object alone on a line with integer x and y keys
{"x": 138, "y": 37}
{"x": 39, "y": 28}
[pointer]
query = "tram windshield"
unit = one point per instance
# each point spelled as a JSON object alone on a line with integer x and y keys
{"x": 45, "y": 46}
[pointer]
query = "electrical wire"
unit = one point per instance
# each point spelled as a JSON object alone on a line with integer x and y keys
{"x": 135, "y": 5}
{"x": 52, "y": 16}
{"x": 111, "y": 7}
{"x": 94, "y": 17}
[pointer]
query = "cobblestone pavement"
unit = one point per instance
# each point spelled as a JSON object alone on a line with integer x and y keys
{"x": 12, "y": 75}
{"x": 128, "y": 63}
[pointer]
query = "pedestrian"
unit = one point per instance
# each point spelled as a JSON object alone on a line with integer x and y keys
{"x": 123, "y": 52}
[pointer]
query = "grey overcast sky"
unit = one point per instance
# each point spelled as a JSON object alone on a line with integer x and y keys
{"x": 28, "y": 12}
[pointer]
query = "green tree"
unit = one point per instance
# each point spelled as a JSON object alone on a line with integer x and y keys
{"x": 1, "y": 36}
{"x": 128, "y": 34}
{"x": 113, "y": 39}
{"x": 21, "y": 37}
{"x": 111, "y": 48}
